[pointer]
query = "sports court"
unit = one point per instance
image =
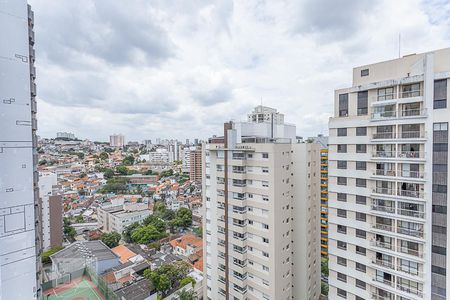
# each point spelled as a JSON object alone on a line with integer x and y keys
{"x": 78, "y": 289}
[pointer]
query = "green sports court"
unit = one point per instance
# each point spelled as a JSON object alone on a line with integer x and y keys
{"x": 80, "y": 289}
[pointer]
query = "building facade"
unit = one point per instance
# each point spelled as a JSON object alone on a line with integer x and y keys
{"x": 20, "y": 223}
{"x": 117, "y": 217}
{"x": 195, "y": 165}
{"x": 261, "y": 231}
{"x": 117, "y": 140}
{"x": 324, "y": 202}
{"x": 52, "y": 211}
{"x": 388, "y": 178}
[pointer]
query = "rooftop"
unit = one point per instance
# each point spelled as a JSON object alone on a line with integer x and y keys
{"x": 123, "y": 252}
{"x": 85, "y": 249}
{"x": 140, "y": 290}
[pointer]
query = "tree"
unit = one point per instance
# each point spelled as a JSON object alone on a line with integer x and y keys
{"x": 159, "y": 224}
{"x": 128, "y": 160}
{"x": 69, "y": 231}
{"x": 114, "y": 185}
{"x": 324, "y": 266}
{"x": 126, "y": 234}
{"x": 45, "y": 256}
{"x": 42, "y": 162}
{"x": 159, "y": 208}
{"x": 122, "y": 170}
{"x": 79, "y": 219}
{"x": 187, "y": 280}
{"x": 167, "y": 276}
{"x": 82, "y": 175}
{"x": 108, "y": 173}
{"x": 104, "y": 156}
{"x": 324, "y": 288}
{"x": 147, "y": 234}
{"x": 183, "y": 218}
{"x": 166, "y": 173}
{"x": 111, "y": 239}
{"x": 148, "y": 172}
{"x": 80, "y": 155}
{"x": 186, "y": 295}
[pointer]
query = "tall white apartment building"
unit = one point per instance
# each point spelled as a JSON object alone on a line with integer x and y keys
{"x": 117, "y": 140}
{"x": 261, "y": 196}
{"x": 388, "y": 178}
{"x": 20, "y": 241}
{"x": 66, "y": 135}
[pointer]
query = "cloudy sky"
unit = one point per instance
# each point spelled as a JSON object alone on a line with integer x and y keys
{"x": 179, "y": 69}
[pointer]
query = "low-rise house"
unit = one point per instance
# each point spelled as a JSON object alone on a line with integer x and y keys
{"x": 186, "y": 245}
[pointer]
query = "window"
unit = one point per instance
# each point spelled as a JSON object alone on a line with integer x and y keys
{"x": 361, "y": 182}
{"x": 411, "y": 90}
{"x": 342, "y": 197}
{"x": 361, "y": 216}
{"x": 360, "y": 233}
{"x": 361, "y": 165}
{"x": 341, "y": 261}
{"x": 386, "y": 94}
{"x": 438, "y": 270}
{"x": 265, "y": 155}
{"x": 265, "y": 254}
{"x": 360, "y": 250}
{"x": 265, "y": 170}
{"x": 361, "y": 200}
{"x": 342, "y": 293}
{"x": 440, "y": 126}
{"x": 265, "y": 240}
{"x": 361, "y": 284}
{"x": 363, "y": 103}
{"x": 360, "y": 267}
{"x": 342, "y": 148}
{"x": 440, "y": 94}
{"x": 342, "y": 132}
{"x": 361, "y": 131}
{"x": 342, "y": 229}
{"x": 342, "y": 180}
{"x": 342, "y": 245}
{"x": 343, "y": 105}
{"x": 342, "y": 213}
{"x": 342, "y": 277}
{"x": 361, "y": 148}
{"x": 265, "y": 183}
{"x": 364, "y": 72}
{"x": 342, "y": 164}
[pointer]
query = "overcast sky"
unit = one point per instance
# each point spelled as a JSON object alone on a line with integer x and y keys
{"x": 179, "y": 69}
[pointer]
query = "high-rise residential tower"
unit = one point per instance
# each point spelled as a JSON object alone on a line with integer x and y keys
{"x": 388, "y": 179}
{"x": 20, "y": 241}
{"x": 261, "y": 196}
{"x": 117, "y": 140}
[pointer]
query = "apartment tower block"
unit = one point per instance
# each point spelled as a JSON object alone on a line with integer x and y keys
{"x": 261, "y": 230}
{"x": 388, "y": 178}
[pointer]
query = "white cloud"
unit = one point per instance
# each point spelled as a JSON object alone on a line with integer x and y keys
{"x": 176, "y": 69}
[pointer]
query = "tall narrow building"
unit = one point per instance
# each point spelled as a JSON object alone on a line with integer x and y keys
{"x": 388, "y": 179}
{"x": 261, "y": 230}
{"x": 20, "y": 241}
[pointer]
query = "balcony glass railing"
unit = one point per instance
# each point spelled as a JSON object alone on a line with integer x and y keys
{"x": 410, "y": 290}
{"x": 384, "y": 227}
{"x": 412, "y": 174}
{"x": 410, "y": 232}
{"x": 384, "y": 281}
{"x": 380, "y": 297}
{"x": 410, "y": 94}
{"x": 384, "y": 263}
{"x": 413, "y": 112}
{"x": 410, "y": 194}
{"x": 383, "y": 245}
{"x": 383, "y": 135}
{"x": 382, "y": 208}
{"x": 411, "y": 135}
{"x": 384, "y": 191}
{"x": 411, "y": 213}
{"x": 411, "y": 154}
{"x": 382, "y": 172}
{"x": 384, "y": 114}
{"x": 410, "y": 251}
{"x": 387, "y": 154}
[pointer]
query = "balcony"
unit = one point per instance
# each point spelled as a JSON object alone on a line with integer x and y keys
{"x": 382, "y": 208}
{"x": 410, "y": 232}
{"x": 384, "y": 191}
{"x": 390, "y": 114}
{"x": 238, "y": 156}
{"x": 411, "y": 252}
{"x": 237, "y": 183}
{"x": 379, "y": 297}
{"x": 384, "y": 281}
{"x": 412, "y": 174}
{"x": 383, "y": 135}
{"x": 384, "y": 154}
{"x": 413, "y": 113}
{"x": 384, "y": 263}
{"x": 412, "y": 135}
{"x": 411, "y": 213}
{"x": 382, "y": 172}
{"x": 384, "y": 227}
{"x": 238, "y": 171}
{"x": 410, "y": 194}
{"x": 411, "y": 94}
{"x": 411, "y": 154}
{"x": 410, "y": 290}
{"x": 383, "y": 245}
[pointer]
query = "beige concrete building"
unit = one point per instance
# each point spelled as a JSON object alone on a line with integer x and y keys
{"x": 117, "y": 217}
{"x": 388, "y": 178}
{"x": 261, "y": 199}
{"x": 195, "y": 164}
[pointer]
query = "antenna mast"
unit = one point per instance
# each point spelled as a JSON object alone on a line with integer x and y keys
{"x": 399, "y": 44}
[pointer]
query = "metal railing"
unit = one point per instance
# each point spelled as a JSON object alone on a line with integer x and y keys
{"x": 383, "y": 135}
{"x": 387, "y": 154}
{"x": 412, "y": 135}
{"x": 412, "y": 174}
{"x": 410, "y": 232}
{"x": 410, "y": 290}
{"x": 384, "y": 281}
{"x": 413, "y": 112}
{"x": 384, "y": 114}
{"x": 410, "y": 251}
{"x": 384, "y": 191}
{"x": 382, "y": 208}
{"x": 411, "y": 213}
{"x": 411, "y": 154}
{"x": 384, "y": 263}
{"x": 410, "y": 194}
{"x": 410, "y": 94}
{"x": 383, "y": 245}
{"x": 382, "y": 172}
{"x": 384, "y": 227}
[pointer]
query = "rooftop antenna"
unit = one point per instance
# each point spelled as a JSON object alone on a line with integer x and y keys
{"x": 399, "y": 44}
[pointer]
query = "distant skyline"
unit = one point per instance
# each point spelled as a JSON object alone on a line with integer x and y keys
{"x": 172, "y": 69}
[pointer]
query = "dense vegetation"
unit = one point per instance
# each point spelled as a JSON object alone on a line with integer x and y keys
{"x": 168, "y": 276}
